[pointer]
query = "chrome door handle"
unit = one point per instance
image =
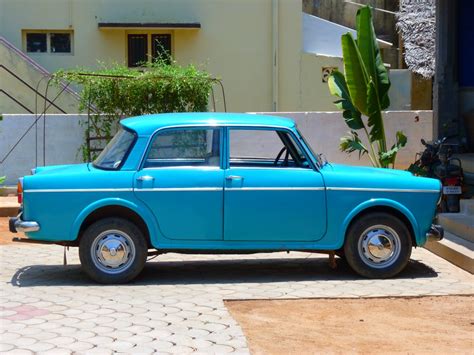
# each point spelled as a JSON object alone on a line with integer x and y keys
{"x": 233, "y": 177}
{"x": 145, "y": 178}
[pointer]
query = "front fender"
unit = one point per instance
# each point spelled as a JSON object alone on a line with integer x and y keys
{"x": 143, "y": 212}
{"x": 381, "y": 202}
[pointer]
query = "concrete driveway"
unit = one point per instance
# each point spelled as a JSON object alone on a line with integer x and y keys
{"x": 176, "y": 305}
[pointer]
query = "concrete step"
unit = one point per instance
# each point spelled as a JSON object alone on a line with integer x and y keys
{"x": 457, "y": 251}
{"x": 462, "y": 225}
{"x": 9, "y": 206}
{"x": 467, "y": 207}
{"x": 7, "y": 190}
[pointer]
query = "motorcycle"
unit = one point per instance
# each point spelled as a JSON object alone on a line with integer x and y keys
{"x": 436, "y": 161}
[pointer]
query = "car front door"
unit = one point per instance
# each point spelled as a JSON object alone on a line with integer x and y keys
{"x": 272, "y": 192}
{"x": 181, "y": 181}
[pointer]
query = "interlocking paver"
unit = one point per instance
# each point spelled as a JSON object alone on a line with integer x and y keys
{"x": 40, "y": 346}
{"x": 176, "y": 305}
{"x": 19, "y": 351}
{"x": 81, "y": 346}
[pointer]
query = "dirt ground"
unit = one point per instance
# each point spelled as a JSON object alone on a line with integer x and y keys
{"x": 443, "y": 325}
{"x": 5, "y": 235}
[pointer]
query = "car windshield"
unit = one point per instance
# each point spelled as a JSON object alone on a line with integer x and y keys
{"x": 115, "y": 152}
{"x": 316, "y": 156}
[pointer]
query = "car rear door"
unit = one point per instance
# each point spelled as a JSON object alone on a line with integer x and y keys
{"x": 181, "y": 181}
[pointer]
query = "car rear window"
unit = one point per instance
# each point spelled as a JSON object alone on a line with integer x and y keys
{"x": 116, "y": 151}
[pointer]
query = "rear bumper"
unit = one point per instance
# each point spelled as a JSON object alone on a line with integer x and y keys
{"x": 16, "y": 224}
{"x": 436, "y": 233}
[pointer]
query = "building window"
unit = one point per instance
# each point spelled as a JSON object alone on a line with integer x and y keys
{"x": 36, "y": 42}
{"x": 143, "y": 48}
{"x": 137, "y": 50}
{"x": 161, "y": 47}
{"x": 48, "y": 42}
{"x": 60, "y": 42}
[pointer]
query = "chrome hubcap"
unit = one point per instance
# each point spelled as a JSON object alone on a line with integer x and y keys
{"x": 113, "y": 251}
{"x": 379, "y": 246}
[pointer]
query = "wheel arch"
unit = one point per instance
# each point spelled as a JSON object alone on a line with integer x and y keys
{"x": 115, "y": 208}
{"x": 387, "y": 206}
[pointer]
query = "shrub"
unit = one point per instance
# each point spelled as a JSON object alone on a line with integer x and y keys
{"x": 116, "y": 91}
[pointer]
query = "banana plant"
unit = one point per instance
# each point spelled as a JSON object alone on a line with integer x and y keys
{"x": 363, "y": 91}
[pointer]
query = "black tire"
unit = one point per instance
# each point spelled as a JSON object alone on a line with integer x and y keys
{"x": 452, "y": 203}
{"x": 112, "y": 251}
{"x": 378, "y": 245}
{"x": 340, "y": 254}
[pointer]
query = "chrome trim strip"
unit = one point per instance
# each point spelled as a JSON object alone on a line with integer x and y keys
{"x": 184, "y": 167}
{"x": 81, "y": 190}
{"x": 170, "y": 189}
{"x": 378, "y": 189}
{"x": 269, "y": 168}
{"x": 276, "y": 188}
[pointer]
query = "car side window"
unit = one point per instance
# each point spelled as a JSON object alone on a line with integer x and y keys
{"x": 185, "y": 147}
{"x": 264, "y": 148}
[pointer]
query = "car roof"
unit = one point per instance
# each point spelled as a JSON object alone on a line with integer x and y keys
{"x": 147, "y": 124}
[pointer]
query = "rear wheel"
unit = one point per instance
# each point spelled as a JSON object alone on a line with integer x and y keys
{"x": 113, "y": 250}
{"x": 378, "y": 245}
{"x": 452, "y": 203}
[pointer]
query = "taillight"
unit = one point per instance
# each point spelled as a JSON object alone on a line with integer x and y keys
{"x": 453, "y": 181}
{"x": 19, "y": 190}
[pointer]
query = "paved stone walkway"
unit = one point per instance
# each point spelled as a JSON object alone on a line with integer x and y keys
{"x": 176, "y": 305}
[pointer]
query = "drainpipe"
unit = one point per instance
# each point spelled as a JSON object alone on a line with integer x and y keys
{"x": 275, "y": 55}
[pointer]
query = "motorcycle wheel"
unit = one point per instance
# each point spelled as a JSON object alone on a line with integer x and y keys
{"x": 452, "y": 203}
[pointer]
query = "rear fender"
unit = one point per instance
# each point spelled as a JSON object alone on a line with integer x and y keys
{"x": 143, "y": 212}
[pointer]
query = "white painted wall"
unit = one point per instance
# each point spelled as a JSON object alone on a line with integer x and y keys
{"x": 64, "y": 136}
{"x": 323, "y": 131}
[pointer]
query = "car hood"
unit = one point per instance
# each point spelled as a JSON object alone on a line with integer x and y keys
{"x": 366, "y": 170}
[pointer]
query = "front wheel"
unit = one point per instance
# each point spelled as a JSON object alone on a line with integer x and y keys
{"x": 378, "y": 245}
{"x": 112, "y": 250}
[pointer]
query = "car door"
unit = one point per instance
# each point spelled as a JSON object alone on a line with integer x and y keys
{"x": 272, "y": 192}
{"x": 181, "y": 181}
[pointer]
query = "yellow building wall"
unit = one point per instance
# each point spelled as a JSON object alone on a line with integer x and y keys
{"x": 233, "y": 43}
{"x": 289, "y": 56}
{"x": 15, "y": 89}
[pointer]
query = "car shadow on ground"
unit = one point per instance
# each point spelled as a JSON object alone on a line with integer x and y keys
{"x": 229, "y": 271}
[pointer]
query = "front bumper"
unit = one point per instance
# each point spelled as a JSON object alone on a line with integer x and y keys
{"x": 435, "y": 234}
{"x": 16, "y": 224}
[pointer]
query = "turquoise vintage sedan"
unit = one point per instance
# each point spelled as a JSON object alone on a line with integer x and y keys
{"x": 220, "y": 183}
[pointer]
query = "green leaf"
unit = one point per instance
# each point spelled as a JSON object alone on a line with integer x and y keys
{"x": 2, "y": 179}
{"x": 352, "y": 143}
{"x": 338, "y": 87}
{"x": 375, "y": 122}
{"x": 370, "y": 53}
{"x": 389, "y": 156}
{"x": 355, "y": 72}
